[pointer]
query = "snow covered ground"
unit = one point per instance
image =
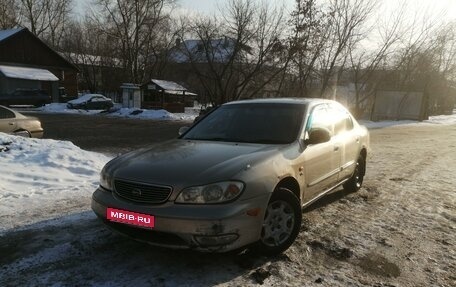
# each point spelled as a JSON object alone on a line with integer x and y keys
{"x": 397, "y": 231}
{"x": 37, "y": 176}
{"x": 118, "y": 111}
{"x": 436, "y": 120}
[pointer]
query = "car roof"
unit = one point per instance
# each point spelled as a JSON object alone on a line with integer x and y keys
{"x": 85, "y": 98}
{"x": 296, "y": 101}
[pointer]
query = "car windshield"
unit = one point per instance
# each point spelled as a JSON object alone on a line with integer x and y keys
{"x": 250, "y": 123}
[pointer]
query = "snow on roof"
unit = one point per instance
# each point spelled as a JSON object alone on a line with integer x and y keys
{"x": 168, "y": 85}
{"x": 8, "y": 33}
{"x": 180, "y": 93}
{"x": 27, "y": 73}
{"x": 92, "y": 60}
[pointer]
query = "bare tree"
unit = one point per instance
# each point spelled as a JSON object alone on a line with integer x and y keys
{"x": 310, "y": 33}
{"x": 131, "y": 22}
{"x": 57, "y": 14}
{"x": 365, "y": 62}
{"x": 92, "y": 52}
{"x": 45, "y": 18}
{"x": 8, "y": 14}
{"x": 347, "y": 18}
{"x": 158, "y": 46}
{"x": 239, "y": 56}
{"x": 34, "y": 15}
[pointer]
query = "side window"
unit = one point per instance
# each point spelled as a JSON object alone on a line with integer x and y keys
{"x": 342, "y": 119}
{"x": 321, "y": 118}
{"x": 6, "y": 114}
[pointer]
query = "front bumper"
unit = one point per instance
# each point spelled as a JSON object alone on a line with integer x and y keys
{"x": 211, "y": 228}
{"x": 37, "y": 134}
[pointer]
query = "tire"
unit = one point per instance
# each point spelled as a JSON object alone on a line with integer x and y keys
{"x": 356, "y": 180}
{"x": 281, "y": 225}
{"x": 22, "y": 133}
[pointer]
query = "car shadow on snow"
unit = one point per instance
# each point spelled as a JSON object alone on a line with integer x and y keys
{"x": 328, "y": 199}
{"x": 78, "y": 249}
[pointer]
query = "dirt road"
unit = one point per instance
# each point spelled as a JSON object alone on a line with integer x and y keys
{"x": 109, "y": 135}
{"x": 399, "y": 230}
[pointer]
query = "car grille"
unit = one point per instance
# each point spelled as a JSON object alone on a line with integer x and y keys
{"x": 139, "y": 192}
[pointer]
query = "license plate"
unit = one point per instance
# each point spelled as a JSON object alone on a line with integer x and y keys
{"x": 129, "y": 217}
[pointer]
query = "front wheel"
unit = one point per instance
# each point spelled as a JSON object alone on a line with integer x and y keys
{"x": 282, "y": 222}
{"x": 23, "y": 133}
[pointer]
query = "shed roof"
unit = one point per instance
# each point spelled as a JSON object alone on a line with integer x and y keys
{"x": 27, "y": 73}
{"x": 8, "y": 33}
{"x": 168, "y": 85}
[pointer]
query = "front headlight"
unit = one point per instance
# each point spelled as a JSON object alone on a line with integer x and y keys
{"x": 211, "y": 193}
{"x": 105, "y": 180}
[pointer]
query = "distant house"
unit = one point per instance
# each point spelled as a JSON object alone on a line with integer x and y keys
{"x": 199, "y": 51}
{"x": 98, "y": 74}
{"x": 160, "y": 94}
{"x": 26, "y": 62}
{"x": 194, "y": 61}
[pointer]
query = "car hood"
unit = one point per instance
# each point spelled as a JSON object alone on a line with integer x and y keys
{"x": 186, "y": 163}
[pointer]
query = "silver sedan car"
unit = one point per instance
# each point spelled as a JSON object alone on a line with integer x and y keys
{"x": 237, "y": 178}
{"x": 13, "y": 122}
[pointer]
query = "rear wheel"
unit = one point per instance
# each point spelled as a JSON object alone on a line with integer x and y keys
{"x": 356, "y": 181}
{"x": 282, "y": 222}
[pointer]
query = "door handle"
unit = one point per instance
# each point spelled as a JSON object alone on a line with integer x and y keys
{"x": 11, "y": 124}
{"x": 357, "y": 140}
{"x": 336, "y": 148}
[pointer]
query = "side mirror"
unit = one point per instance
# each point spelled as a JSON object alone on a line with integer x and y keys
{"x": 318, "y": 135}
{"x": 183, "y": 130}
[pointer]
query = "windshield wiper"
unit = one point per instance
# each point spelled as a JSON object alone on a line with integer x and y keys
{"x": 238, "y": 140}
{"x": 218, "y": 139}
{"x": 269, "y": 141}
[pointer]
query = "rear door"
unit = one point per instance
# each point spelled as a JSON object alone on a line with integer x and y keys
{"x": 7, "y": 121}
{"x": 347, "y": 138}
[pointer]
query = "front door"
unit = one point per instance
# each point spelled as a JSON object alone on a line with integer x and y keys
{"x": 321, "y": 161}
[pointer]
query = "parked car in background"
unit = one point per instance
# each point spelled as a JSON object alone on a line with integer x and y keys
{"x": 91, "y": 102}
{"x": 32, "y": 97}
{"x": 240, "y": 176}
{"x": 12, "y": 122}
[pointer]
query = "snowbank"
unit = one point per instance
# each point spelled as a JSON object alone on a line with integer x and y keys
{"x": 37, "y": 177}
{"x": 56, "y": 108}
{"x": 152, "y": 114}
{"x": 434, "y": 120}
{"x": 117, "y": 111}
